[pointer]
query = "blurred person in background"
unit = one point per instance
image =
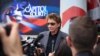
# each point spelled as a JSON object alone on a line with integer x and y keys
{"x": 97, "y": 46}
{"x": 82, "y": 36}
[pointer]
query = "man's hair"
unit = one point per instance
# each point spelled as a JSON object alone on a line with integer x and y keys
{"x": 54, "y": 16}
{"x": 83, "y": 32}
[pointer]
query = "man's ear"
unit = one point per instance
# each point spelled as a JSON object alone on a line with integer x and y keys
{"x": 68, "y": 39}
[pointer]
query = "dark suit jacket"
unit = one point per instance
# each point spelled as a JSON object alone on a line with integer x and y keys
{"x": 85, "y": 53}
{"x": 44, "y": 40}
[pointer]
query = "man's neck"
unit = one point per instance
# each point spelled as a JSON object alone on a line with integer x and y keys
{"x": 74, "y": 51}
{"x": 53, "y": 33}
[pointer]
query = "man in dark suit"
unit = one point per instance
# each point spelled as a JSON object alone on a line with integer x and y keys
{"x": 51, "y": 39}
{"x": 82, "y": 36}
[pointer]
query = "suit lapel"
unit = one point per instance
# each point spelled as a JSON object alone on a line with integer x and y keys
{"x": 58, "y": 40}
{"x": 46, "y": 39}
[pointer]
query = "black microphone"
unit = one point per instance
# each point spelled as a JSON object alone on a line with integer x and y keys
{"x": 36, "y": 43}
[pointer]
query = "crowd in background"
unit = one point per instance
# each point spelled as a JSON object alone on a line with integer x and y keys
{"x": 83, "y": 39}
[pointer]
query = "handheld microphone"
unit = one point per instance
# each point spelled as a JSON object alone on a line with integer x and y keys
{"x": 36, "y": 43}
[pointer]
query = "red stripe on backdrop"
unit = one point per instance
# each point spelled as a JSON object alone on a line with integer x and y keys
{"x": 12, "y": 18}
{"x": 37, "y": 21}
{"x": 72, "y": 12}
{"x": 92, "y": 4}
{"x": 24, "y": 29}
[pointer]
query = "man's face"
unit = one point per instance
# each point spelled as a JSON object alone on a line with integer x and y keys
{"x": 53, "y": 25}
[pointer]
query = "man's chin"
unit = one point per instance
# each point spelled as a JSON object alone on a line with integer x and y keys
{"x": 52, "y": 31}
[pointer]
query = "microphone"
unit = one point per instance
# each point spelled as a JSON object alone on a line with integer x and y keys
{"x": 52, "y": 46}
{"x": 36, "y": 43}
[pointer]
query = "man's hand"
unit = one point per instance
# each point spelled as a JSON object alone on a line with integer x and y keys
{"x": 38, "y": 51}
{"x": 51, "y": 54}
{"x": 11, "y": 44}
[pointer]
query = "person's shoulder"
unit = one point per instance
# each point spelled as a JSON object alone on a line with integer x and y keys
{"x": 63, "y": 33}
{"x": 44, "y": 32}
